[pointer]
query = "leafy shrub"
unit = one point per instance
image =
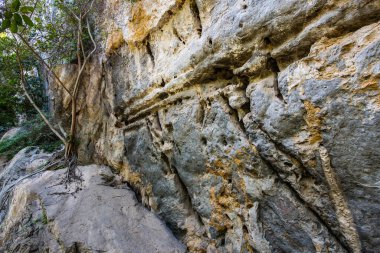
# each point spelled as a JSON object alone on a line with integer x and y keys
{"x": 36, "y": 134}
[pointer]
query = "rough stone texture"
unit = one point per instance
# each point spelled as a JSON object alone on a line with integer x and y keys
{"x": 26, "y": 161}
{"x": 93, "y": 216}
{"x": 246, "y": 125}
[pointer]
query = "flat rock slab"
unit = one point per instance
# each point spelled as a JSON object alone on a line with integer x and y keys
{"x": 90, "y": 216}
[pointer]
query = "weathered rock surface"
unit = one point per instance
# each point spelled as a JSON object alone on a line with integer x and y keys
{"x": 26, "y": 161}
{"x": 245, "y": 125}
{"x": 93, "y": 216}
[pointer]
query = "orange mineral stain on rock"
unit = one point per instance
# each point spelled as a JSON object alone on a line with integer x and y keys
{"x": 220, "y": 168}
{"x": 313, "y": 122}
{"x": 218, "y": 219}
{"x": 371, "y": 86}
{"x": 139, "y": 23}
{"x": 134, "y": 178}
{"x": 114, "y": 41}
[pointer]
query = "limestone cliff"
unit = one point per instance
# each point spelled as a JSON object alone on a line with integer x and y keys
{"x": 246, "y": 125}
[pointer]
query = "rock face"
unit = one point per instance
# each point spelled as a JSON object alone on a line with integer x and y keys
{"x": 26, "y": 161}
{"x": 245, "y": 125}
{"x": 94, "y": 216}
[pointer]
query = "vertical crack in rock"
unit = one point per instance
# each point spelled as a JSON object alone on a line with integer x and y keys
{"x": 175, "y": 32}
{"x": 300, "y": 170}
{"x": 187, "y": 194}
{"x": 159, "y": 124}
{"x": 298, "y": 167}
{"x": 345, "y": 218}
{"x": 273, "y": 66}
{"x": 149, "y": 50}
{"x": 201, "y": 113}
{"x": 234, "y": 115}
{"x": 195, "y": 10}
{"x": 296, "y": 194}
{"x": 163, "y": 142}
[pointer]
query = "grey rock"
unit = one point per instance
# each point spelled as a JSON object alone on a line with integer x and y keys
{"x": 86, "y": 217}
{"x": 245, "y": 125}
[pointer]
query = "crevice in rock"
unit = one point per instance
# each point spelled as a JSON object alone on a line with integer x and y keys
{"x": 158, "y": 121}
{"x": 273, "y": 67}
{"x": 140, "y": 117}
{"x": 198, "y": 22}
{"x": 153, "y": 106}
{"x": 78, "y": 247}
{"x": 234, "y": 115}
{"x": 187, "y": 194}
{"x": 221, "y": 72}
{"x": 200, "y": 117}
{"x": 335, "y": 233}
{"x": 162, "y": 84}
{"x": 292, "y": 157}
{"x": 133, "y": 126}
{"x": 343, "y": 212}
{"x": 179, "y": 150}
{"x": 171, "y": 169}
{"x": 175, "y": 32}
{"x": 166, "y": 160}
{"x": 136, "y": 191}
{"x": 336, "y": 236}
{"x": 149, "y": 51}
{"x": 163, "y": 95}
{"x": 267, "y": 41}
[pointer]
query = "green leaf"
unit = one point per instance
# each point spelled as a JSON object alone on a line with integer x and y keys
{"x": 8, "y": 14}
{"x": 26, "y": 9}
{"x": 15, "y": 6}
{"x": 27, "y": 20}
{"x": 6, "y": 24}
{"x": 18, "y": 19}
{"x": 14, "y": 27}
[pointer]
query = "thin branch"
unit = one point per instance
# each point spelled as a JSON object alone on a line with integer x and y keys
{"x": 70, "y": 11}
{"x": 23, "y": 82}
{"x": 62, "y": 130}
{"x": 43, "y": 62}
{"x": 77, "y": 81}
{"x": 91, "y": 37}
{"x": 88, "y": 10}
{"x": 86, "y": 59}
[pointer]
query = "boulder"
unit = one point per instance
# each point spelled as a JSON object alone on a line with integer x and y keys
{"x": 93, "y": 215}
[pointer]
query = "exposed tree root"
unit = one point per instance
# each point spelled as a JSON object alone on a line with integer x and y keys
{"x": 72, "y": 172}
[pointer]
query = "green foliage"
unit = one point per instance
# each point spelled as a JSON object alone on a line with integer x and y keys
{"x": 36, "y": 134}
{"x": 50, "y": 29}
{"x": 15, "y": 6}
{"x": 9, "y": 105}
{"x": 12, "y": 101}
{"x": 54, "y": 29}
{"x": 15, "y": 17}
